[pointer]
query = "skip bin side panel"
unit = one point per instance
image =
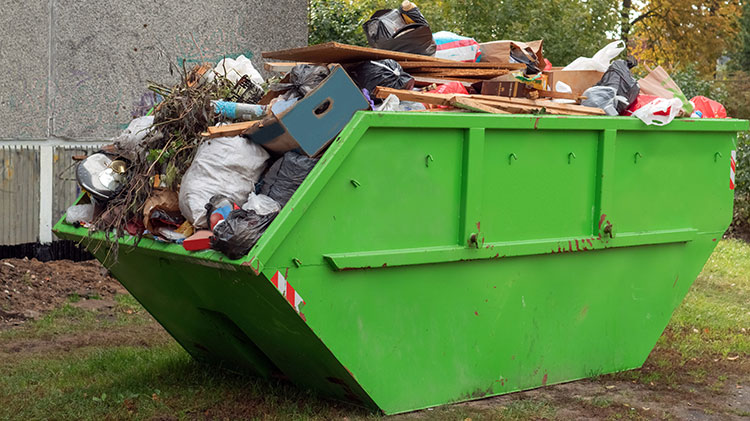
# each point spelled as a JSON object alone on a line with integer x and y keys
{"x": 426, "y": 332}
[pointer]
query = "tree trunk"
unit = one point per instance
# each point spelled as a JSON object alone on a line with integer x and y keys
{"x": 625, "y": 22}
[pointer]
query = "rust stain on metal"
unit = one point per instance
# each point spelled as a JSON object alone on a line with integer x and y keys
{"x": 536, "y": 123}
{"x": 479, "y": 224}
{"x": 256, "y": 270}
{"x": 675, "y": 281}
{"x": 601, "y": 220}
{"x": 544, "y": 380}
{"x": 476, "y": 313}
{"x": 347, "y": 390}
{"x": 584, "y": 312}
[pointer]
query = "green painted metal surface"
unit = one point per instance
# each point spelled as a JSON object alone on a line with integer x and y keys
{"x": 437, "y": 258}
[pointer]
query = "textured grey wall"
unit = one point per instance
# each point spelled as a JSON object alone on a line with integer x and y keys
{"x": 78, "y": 69}
{"x": 73, "y": 73}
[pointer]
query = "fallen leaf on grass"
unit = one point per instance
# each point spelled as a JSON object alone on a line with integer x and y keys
{"x": 733, "y": 358}
{"x": 609, "y": 387}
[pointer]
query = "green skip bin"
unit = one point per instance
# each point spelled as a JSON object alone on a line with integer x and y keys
{"x": 432, "y": 258}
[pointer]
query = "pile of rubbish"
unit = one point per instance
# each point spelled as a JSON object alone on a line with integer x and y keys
{"x": 224, "y": 150}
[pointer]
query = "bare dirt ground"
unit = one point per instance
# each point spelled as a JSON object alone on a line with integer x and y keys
{"x": 29, "y": 288}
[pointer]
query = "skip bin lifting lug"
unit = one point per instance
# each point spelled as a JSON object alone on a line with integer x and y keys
{"x": 473, "y": 242}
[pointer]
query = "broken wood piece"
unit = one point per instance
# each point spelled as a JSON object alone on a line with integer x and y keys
{"x": 542, "y": 102}
{"x": 473, "y": 105}
{"x": 335, "y": 52}
{"x": 407, "y": 65}
{"x": 448, "y": 72}
{"x": 504, "y": 103}
{"x": 281, "y": 67}
{"x": 228, "y": 130}
{"x": 426, "y": 81}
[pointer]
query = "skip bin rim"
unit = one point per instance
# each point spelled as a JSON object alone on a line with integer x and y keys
{"x": 349, "y": 137}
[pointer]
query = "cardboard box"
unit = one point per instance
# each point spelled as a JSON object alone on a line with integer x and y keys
{"x": 578, "y": 80}
{"x": 508, "y": 86}
{"x": 499, "y": 51}
{"x": 312, "y": 122}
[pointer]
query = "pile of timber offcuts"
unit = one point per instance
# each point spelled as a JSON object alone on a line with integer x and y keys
{"x": 497, "y": 87}
{"x": 489, "y": 103}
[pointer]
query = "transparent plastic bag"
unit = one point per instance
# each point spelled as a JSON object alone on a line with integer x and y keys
{"x": 261, "y": 204}
{"x": 604, "y": 97}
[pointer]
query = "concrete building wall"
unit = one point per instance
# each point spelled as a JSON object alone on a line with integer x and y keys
{"x": 73, "y": 73}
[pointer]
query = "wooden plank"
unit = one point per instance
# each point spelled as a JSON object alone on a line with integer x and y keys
{"x": 542, "y": 102}
{"x": 525, "y": 109}
{"x": 426, "y": 81}
{"x": 280, "y": 67}
{"x": 449, "y": 72}
{"x": 334, "y": 52}
{"x": 406, "y": 65}
{"x": 228, "y": 130}
{"x": 473, "y": 105}
{"x": 503, "y": 102}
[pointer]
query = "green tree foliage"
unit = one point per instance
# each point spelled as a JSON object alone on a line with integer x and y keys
{"x": 336, "y": 20}
{"x": 570, "y": 28}
{"x": 741, "y": 53}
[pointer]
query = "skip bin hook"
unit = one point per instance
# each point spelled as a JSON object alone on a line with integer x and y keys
{"x": 636, "y": 156}
{"x": 571, "y": 156}
{"x": 512, "y": 157}
{"x": 473, "y": 240}
{"x": 427, "y": 160}
{"x": 717, "y": 155}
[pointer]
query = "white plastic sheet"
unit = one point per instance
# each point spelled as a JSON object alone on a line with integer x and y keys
{"x": 601, "y": 60}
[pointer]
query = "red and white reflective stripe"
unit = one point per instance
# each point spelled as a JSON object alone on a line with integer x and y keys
{"x": 733, "y": 168}
{"x": 287, "y": 291}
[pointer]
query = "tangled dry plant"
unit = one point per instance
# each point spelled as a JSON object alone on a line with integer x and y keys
{"x": 167, "y": 151}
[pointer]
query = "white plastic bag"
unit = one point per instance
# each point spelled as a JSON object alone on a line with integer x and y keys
{"x": 566, "y": 89}
{"x": 133, "y": 135}
{"x": 234, "y": 69}
{"x": 79, "y": 213}
{"x": 667, "y": 110}
{"x": 229, "y": 166}
{"x": 261, "y": 204}
{"x": 601, "y": 59}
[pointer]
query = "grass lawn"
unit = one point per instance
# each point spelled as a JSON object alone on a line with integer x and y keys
{"x": 119, "y": 364}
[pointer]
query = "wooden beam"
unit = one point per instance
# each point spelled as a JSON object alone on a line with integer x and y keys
{"x": 515, "y": 104}
{"x": 228, "y": 130}
{"x": 473, "y": 105}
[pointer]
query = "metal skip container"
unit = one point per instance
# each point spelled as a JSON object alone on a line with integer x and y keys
{"x": 432, "y": 258}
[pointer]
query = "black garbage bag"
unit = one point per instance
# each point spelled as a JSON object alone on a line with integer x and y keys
{"x": 286, "y": 175}
{"x": 618, "y": 76}
{"x": 388, "y": 73}
{"x": 303, "y": 78}
{"x": 387, "y": 30}
{"x": 239, "y": 231}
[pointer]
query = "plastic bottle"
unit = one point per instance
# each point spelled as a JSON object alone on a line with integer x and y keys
{"x": 239, "y": 111}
